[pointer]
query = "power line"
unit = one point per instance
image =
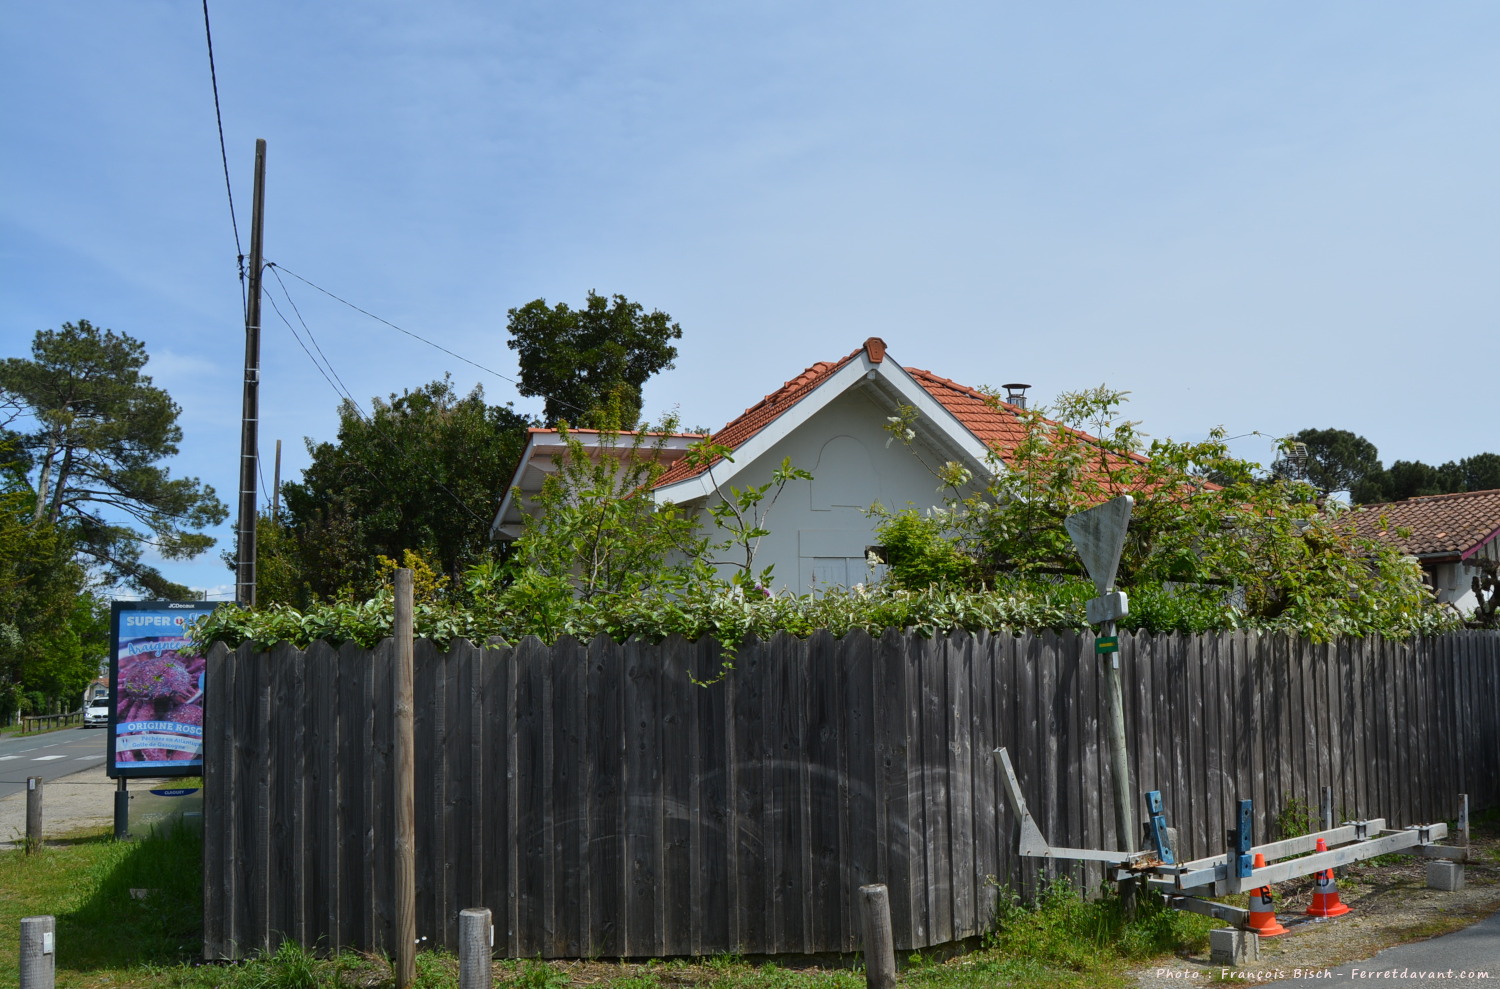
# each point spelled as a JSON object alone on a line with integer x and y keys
{"x": 342, "y": 388}
{"x": 416, "y": 336}
{"x": 213, "y": 76}
{"x": 342, "y": 391}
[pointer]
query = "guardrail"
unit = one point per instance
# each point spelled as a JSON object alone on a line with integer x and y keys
{"x": 34, "y": 722}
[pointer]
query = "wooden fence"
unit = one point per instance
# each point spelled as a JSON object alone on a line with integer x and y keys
{"x": 602, "y": 805}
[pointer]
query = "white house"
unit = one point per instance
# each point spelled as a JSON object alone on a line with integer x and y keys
{"x": 1453, "y": 536}
{"x": 831, "y": 421}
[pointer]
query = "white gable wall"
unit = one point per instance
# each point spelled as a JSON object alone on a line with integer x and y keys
{"x": 819, "y": 529}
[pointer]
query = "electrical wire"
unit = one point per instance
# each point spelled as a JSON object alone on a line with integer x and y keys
{"x": 330, "y": 375}
{"x": 415, "y": 336}
{"x": 213, "y": 76}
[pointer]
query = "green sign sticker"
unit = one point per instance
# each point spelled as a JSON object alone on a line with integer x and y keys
{"x": 1109, "y": 643}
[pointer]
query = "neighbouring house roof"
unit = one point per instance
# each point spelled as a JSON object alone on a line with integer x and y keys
{"x": 1442, "y": 527}
{"x": 544, "y": 446}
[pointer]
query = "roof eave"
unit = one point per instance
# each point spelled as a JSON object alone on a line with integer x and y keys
{"x": 885, "y": 376}
{"x": 548, "y": 443}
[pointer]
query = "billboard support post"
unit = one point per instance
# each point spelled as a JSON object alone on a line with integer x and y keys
{"x": 122, "y": 810}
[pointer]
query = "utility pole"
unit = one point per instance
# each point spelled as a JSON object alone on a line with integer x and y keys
{"x": 244, "y": 588}
{"x": 276, "y": 486}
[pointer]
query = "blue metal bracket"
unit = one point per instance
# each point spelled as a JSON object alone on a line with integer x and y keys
{"x": 1241, "y": 840}
{"x": 1156, "y": 819}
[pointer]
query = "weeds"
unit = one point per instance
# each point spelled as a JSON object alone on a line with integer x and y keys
{"x": 1295, "y": 820}
{"x": 1063, "y": 930}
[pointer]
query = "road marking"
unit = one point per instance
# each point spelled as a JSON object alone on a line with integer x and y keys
{"x": 48, "y": 758}
{"x": 83, "y": 757}
{"x": 3, "y": 758}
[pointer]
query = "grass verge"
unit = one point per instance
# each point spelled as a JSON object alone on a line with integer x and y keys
{"x": 129, "y": 917}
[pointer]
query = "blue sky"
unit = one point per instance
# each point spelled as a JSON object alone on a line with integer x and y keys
{"x": 1266, "y": 216}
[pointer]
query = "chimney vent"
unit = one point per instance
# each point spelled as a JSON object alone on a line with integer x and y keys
{"x": 1015, "y": 394}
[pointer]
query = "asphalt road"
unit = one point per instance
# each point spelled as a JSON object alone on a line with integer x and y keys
{"x": 1470, "y": 957}
{"x": 49, "y": 755}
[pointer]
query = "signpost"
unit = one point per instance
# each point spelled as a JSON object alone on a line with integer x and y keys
{"x": 1099, "y": 535}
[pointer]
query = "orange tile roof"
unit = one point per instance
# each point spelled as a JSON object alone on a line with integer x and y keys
{"x": 1455, "y": 525}
{"x": 762, "y": 414}
{"x": 992, "y": 422}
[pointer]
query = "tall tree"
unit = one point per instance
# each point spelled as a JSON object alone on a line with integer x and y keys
{"x": 101, "y": 430}
{"x": 589, "y": 364}
{"x": 1338, "y": 460}
{"x": 422, "y": 472}
{"x": 50, "y": 636}
{"x": 1480, "y": 472}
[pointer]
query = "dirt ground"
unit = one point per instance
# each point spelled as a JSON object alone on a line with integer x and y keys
{"x": 1390, "y": 905}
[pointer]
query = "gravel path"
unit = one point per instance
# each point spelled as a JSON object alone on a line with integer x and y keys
{"x": 83, "y": 800}
{"x": 1391, "y": 905}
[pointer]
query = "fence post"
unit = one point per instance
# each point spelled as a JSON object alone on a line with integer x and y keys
{"x": 33, "y": 813}
{"x": 405, "y": 788}
{"x": 476, "y": 941}
{"x": 880, "y": 949}
{"x": 38, "y": 952}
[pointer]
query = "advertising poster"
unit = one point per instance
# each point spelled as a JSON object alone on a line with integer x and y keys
{"x": 156, "y": 683}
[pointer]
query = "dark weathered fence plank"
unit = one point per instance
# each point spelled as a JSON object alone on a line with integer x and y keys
{"x": 715, "y": 833}
{"x": 218, "y": 765}
{"x": 751, "y": 784}
{"x": 825, "y": 806}
{"x": 985, "y": 659}
{"x": 960, "y": 656}
{"x": 318, "y": 863}
{"x": 1027, "y": 753}
{"x": 382, "y": 803}
{"x": 895, "y": 706}
{"x": 1205, "y": 836}
{"x": 643, "y": 805}
{"x": 1052, "y": 725}
{"x": 605, "y": 744}
{"x": 855, "y": 669}
{"x": 429, "y": 793}
{"x": 677, "y": 744}
{"x": 569, "y": 882}
{"x": 460, "y": 815}
{"x": 533, "y": 742}
{"x": 931, "y": 668}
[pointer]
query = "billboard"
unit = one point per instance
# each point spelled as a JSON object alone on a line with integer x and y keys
{"x": 156, "y": 689}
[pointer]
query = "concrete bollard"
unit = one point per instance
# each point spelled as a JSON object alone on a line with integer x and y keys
{"x": 879, "y": 945}
{"x": 1445, "y": 875}
{"x": 33, "y": 813}
{"x": 38, "y": 952}
{"x": 476, "y": 943}
{"x": 1232, "y": 946}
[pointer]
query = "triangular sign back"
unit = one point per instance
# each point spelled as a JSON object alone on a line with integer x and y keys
{"x": 1099, "y": 535}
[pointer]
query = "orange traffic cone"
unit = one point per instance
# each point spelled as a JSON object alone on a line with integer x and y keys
{"x": 1262, "y": 912}
{"x": 1325, "y": 901}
